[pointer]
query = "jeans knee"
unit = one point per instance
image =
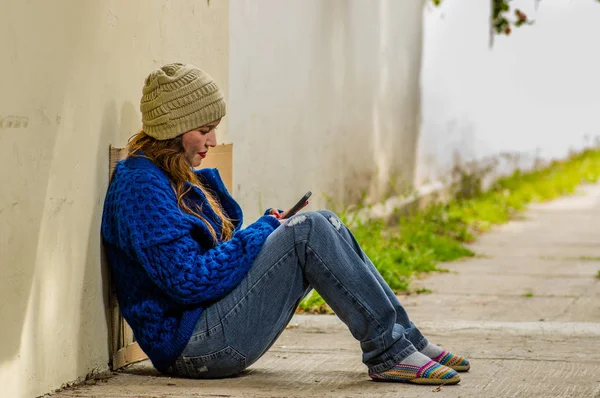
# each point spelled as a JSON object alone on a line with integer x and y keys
{"x": 313, "y": 217}
{"x": 332, "y": 218}
{"x": 319, "y": 217}
{"x": 296, "y": 220}
{"x": 326, "y": 213}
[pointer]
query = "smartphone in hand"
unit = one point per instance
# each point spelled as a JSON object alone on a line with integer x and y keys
{"x": 296, "y": 208}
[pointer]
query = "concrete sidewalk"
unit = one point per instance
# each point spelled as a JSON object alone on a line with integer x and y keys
{"x": 526, "y": 313}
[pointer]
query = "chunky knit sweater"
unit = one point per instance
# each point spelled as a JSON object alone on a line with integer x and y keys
{"x": 166, "y": 266}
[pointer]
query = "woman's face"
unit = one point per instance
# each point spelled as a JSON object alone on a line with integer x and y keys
{"x": 197, "y": 142}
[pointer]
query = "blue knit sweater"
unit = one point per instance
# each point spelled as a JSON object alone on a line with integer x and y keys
{"x": 166, "y": 266}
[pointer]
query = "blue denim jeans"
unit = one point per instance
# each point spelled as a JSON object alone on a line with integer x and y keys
{"x": 311, "y": 250}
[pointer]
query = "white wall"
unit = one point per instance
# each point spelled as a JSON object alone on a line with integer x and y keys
{"x": 324, "y": 96}
{"x": 71, "y": 74}
{"x": 535, "y": 91}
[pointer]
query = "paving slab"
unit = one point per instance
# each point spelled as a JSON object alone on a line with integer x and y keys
{"x": 543, "y": 267}
{"x": 542, "y": 344}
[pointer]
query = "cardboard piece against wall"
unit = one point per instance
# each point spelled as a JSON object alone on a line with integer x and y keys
{"x": 114, "y": 156}
{"x": 221, "y": 157}
{"x": 125, "y": 350}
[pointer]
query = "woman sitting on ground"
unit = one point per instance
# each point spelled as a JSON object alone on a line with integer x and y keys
{"x": 205, "y": 297}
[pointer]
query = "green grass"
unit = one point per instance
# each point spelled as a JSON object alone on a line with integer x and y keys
{"x": 418, "y": 242}
{"x": 580, "y": 258}
{"x": 588, "y": 258}
{"x": 423, "y": 290}
{"x": 528, "y": 294}
{"x": 315, "y": 304}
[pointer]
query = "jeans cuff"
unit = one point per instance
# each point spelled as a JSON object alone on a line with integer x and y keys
{"x": 421, "y": 344}
{"x": 393, "y": 360}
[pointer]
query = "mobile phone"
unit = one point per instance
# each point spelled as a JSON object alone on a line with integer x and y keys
{"x": 298, "y": 205}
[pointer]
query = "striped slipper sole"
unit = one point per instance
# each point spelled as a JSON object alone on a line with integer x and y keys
{"x": 453, "y": 361}
{"x": 430, "y": 373}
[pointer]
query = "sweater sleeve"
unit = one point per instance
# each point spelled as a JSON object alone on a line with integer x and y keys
{"x": 159, "y": 235}
{"x": 191, "y": 275}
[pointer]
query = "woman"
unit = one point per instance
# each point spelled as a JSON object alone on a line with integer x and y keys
{"x": 206, "y": 298}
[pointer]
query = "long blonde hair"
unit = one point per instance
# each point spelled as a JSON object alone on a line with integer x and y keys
{"x": 169, "y": 156}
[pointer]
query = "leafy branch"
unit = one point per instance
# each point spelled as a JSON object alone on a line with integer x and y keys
{"x": 502, "y": 20}
{"x": 499, "y": 19}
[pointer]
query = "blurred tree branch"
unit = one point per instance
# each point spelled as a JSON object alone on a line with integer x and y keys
{"x": 502, "y": 20}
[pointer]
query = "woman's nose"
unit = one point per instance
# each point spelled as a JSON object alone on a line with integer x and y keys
{"x": 211, "y": 140}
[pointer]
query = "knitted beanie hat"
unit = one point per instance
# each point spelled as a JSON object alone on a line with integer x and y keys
{"x": 178, "y": 98}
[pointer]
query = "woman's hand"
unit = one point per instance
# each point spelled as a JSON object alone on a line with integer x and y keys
{"x": 278, "y": 217}
{"x": 275, "y": 213}
{"x": 283, "y": 215}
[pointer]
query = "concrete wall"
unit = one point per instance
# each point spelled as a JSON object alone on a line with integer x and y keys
{"x": 71, "y": 74}
{"x": 324, "y": 96}
{"x": 534, "y": 92}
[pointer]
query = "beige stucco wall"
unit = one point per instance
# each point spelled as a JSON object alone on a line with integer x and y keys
{"x": 71, "y": 74}
{"x": 324, "y": 96}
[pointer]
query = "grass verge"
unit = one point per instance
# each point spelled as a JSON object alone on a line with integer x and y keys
{"x": 418, "y": 242}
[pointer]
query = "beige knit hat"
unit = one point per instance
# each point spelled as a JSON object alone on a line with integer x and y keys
{"x": 178, "y": 98}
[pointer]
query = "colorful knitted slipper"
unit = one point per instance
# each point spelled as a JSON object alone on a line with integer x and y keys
{"x": 453, "y": 361}
{"x": 430, "y": 373}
